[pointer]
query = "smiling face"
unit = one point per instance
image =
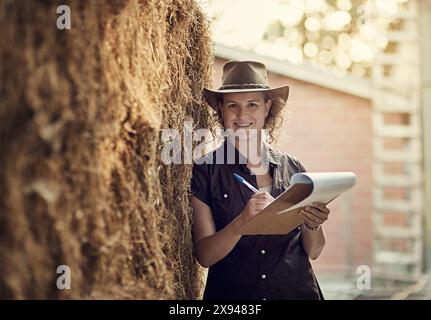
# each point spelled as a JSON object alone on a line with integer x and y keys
{"x": 245, "y": 110}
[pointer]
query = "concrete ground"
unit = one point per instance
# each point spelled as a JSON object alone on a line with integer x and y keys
{"x": 345, "y": 288}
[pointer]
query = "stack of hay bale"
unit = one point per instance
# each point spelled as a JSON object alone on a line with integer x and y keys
{"x": 81, "y": 180}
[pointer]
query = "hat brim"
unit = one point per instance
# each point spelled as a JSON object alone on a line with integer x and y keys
{"x": 211, "y": 96}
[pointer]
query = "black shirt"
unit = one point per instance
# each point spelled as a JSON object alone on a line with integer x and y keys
{"x": 259, "y": 266}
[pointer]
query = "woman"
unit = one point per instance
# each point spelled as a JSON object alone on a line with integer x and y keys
{"x": 262, "y": 266}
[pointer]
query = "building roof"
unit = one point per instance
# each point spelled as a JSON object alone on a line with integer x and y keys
{"x": 349, "y": 84}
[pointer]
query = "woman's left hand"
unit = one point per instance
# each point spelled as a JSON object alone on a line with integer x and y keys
{"x": 314, "y": 215}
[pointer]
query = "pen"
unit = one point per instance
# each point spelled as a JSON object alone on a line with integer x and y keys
{"x": 243, "y": 181}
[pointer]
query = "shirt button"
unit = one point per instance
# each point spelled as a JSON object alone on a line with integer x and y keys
{"x": 263, "y": 252}
{"x": 225, "y": 195}
{"x": 264, "y": 276}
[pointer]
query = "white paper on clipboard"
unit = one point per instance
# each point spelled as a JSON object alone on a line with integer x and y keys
{"x": 326, "y": 186}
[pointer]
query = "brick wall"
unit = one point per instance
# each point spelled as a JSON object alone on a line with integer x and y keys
{"x": 332, "y": 131}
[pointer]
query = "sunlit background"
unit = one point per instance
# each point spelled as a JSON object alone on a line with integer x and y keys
{"x": 342, "y": 35}
{"x": 359, "y": 74}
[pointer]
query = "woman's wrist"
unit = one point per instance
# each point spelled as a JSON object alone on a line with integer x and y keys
{"x": 239, "y": 221}
{"x": 312, "y": 228}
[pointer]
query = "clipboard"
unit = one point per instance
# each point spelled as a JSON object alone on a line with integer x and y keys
{"x": 282, "y": 215}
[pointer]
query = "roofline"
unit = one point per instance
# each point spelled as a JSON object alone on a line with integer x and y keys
{"x": 350, "y": 84}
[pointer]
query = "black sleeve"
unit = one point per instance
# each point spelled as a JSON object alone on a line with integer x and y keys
{"x": 200, "y": 185}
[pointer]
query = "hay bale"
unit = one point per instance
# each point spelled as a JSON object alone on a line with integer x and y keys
{"x": 82, "y": 183}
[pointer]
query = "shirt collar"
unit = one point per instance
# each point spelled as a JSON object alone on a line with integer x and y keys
{"x": 274, "y": 156}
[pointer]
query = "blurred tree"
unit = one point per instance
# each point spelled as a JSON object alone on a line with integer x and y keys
{"x": 341, "y": 35}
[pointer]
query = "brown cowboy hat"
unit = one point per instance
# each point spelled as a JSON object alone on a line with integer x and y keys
{"x": 244, "y": 76}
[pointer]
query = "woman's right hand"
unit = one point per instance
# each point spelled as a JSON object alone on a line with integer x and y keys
{"x": 257, "y": 202}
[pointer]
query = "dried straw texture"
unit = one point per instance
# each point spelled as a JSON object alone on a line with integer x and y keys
{"x": 81, "y": 182}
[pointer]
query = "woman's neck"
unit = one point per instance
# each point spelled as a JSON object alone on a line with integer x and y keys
{"x": 252, "y": 150}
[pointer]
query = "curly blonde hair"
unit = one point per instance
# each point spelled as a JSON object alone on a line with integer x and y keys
{"x": 273, "y": 121}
